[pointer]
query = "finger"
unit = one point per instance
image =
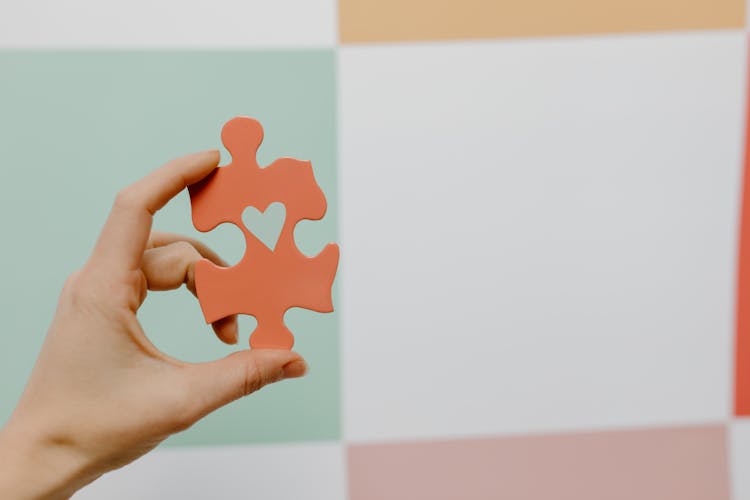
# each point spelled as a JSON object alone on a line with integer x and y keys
{"x": 170, "y": 266}
{"x": 161, "y": 238}
{"x": 123, "y": 239}
{"x": 227, "y": 328}
{"x": 219, "y": 382}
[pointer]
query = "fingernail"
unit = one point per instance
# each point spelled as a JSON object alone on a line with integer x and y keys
{"x": 295, "y": 369}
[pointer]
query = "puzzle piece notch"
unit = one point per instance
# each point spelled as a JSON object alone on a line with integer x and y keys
{"x": 265, "y": 283}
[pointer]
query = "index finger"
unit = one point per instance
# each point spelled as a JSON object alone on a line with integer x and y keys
{"x": 125, "y": 233}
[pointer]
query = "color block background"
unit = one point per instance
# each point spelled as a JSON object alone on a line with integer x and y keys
{"x": 542, "y": 208}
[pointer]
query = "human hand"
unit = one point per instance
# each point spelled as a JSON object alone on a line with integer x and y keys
{"x": 101, "y": 394}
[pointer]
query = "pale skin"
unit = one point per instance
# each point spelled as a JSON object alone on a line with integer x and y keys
{"x": 101, "y": 394}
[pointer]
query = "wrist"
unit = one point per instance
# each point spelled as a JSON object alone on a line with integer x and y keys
{"x": 36, "y": 467}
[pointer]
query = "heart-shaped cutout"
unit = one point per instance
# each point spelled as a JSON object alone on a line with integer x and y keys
{"x": 266, "y": 225}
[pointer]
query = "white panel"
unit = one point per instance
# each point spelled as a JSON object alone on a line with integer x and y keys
{"x": 268, "y": 472}
{"x": 740, "y": 447}
{"x": 539, "y": 235}
{"x": 167, "y": 23}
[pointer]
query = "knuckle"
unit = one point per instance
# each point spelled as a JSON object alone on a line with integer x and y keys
{"x": 186, "y": 250}
{"x": 184, "y": 256}
{"x": 127, "y": 198}
{"x": 77, "y": 289}
{"x": 71, "y": 282}
{"x": 254, "y": 378}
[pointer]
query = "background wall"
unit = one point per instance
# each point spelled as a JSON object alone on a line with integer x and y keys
{"x": 540, "y": 207}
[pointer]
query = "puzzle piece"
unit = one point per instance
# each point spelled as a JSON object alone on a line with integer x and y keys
{"x": 265, "y": 283}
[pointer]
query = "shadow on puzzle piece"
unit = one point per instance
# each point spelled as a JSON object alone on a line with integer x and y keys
{"x": 266, "y": 282}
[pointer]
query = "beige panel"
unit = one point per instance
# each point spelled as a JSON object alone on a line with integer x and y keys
{"x": 402, "y": 20}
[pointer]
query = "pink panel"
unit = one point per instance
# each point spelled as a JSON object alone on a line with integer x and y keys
{"x": 742, "y": 346}
{"x": 687, "y": 463}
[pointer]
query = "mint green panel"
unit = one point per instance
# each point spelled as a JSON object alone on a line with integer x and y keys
{"x": 75, "y": 127}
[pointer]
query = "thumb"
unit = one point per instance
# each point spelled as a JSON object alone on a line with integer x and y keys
{"x": 217, "y": 383}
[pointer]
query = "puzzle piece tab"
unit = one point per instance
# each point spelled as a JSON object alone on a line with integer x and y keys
{"x": 265, "y": 283}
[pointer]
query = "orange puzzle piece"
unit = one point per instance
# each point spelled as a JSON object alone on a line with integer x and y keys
{"x": 265, "y": 283}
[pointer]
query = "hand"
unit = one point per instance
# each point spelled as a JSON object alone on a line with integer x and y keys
{"x": 101, "y": 394}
